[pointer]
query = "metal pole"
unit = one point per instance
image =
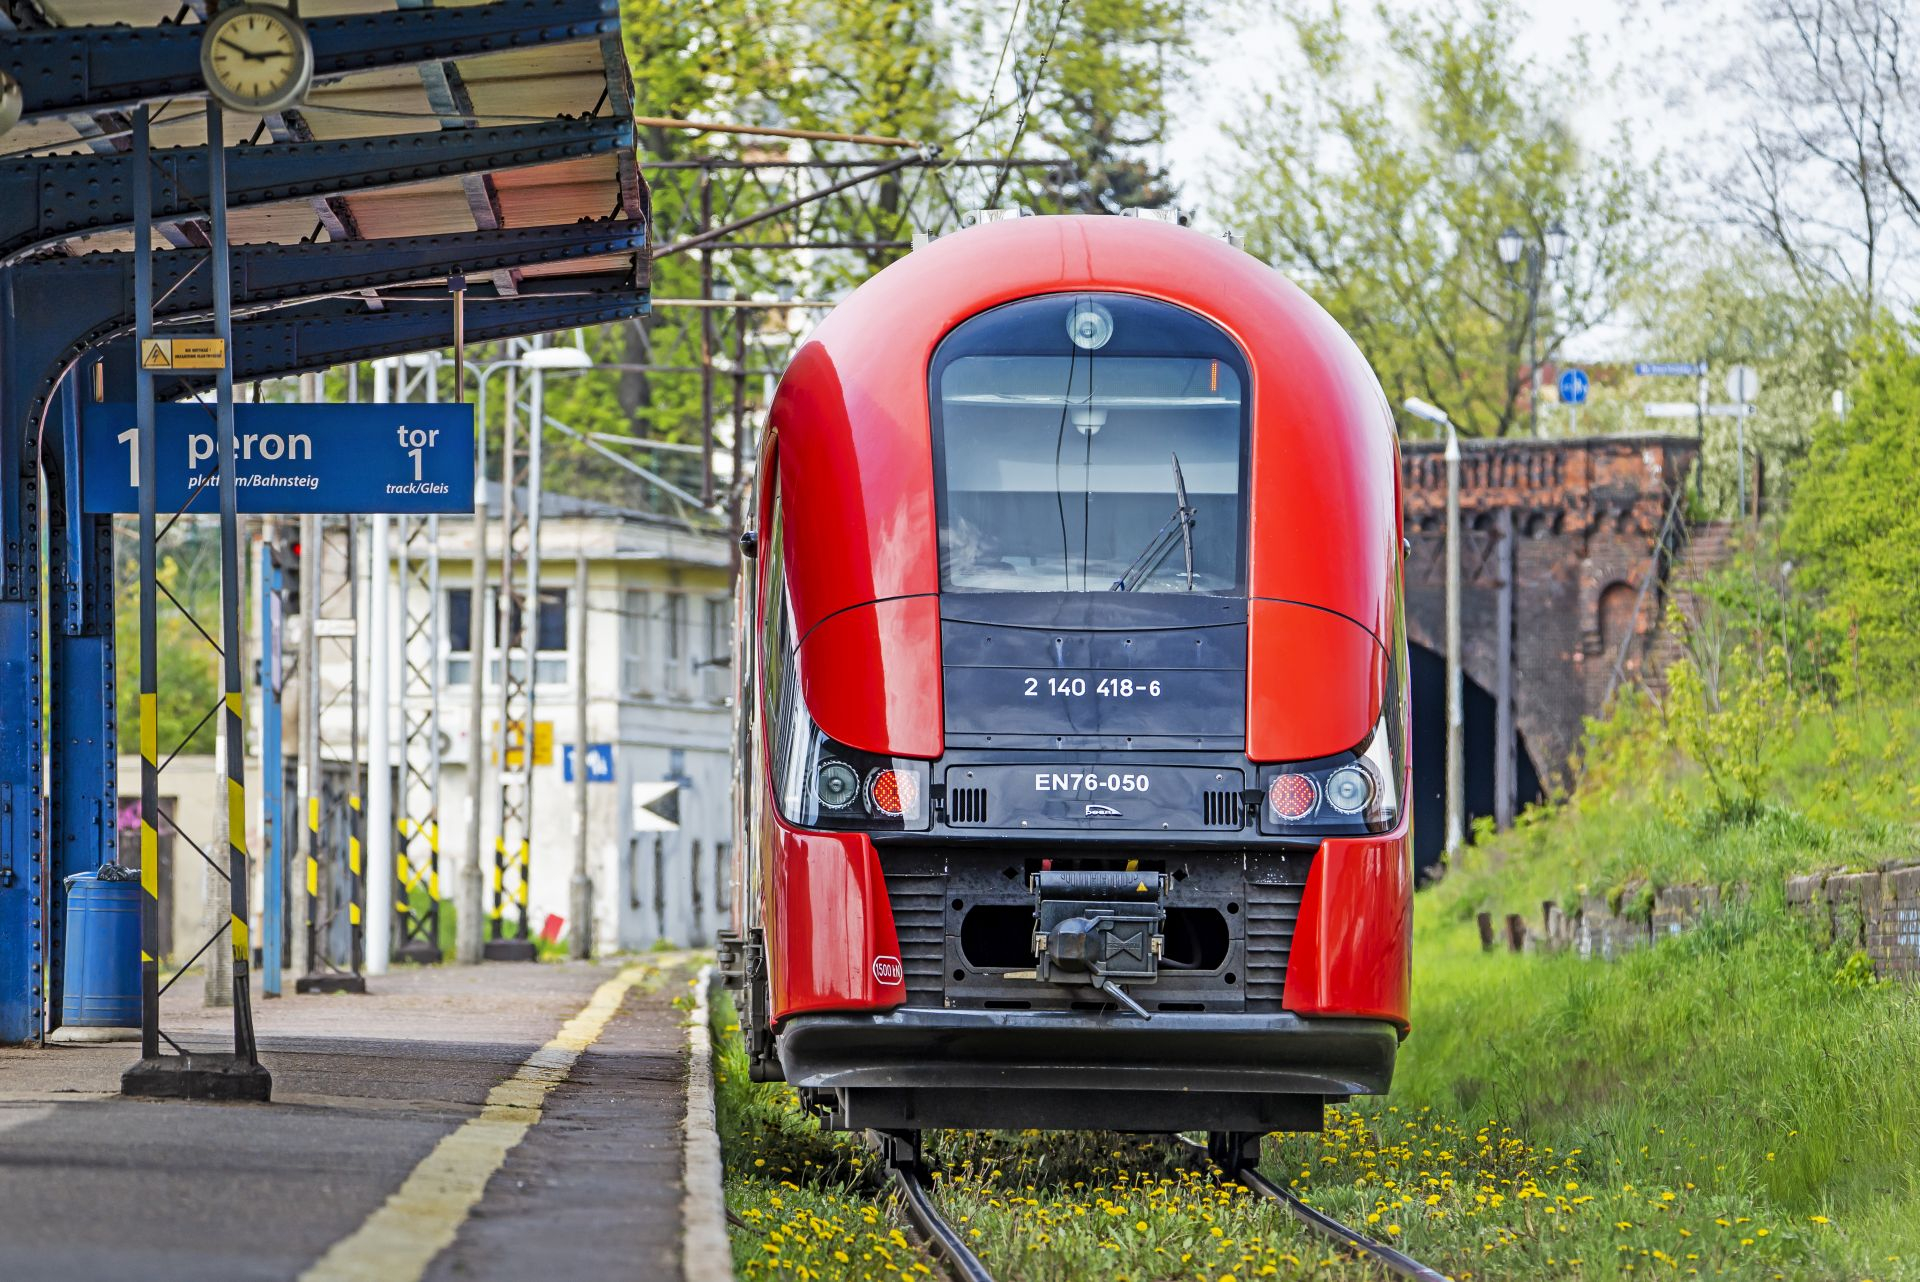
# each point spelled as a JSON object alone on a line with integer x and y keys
{"x": 243, "y": 1044}
{"x": 1534, "y": 264}
{"x": 311, "y": 772}
{"x": 505, "y": 613}
{"x": 149, "y": 594}
{"x": 380, "y": 870}
{"x": 1456, "y": 726}
{"x": 272, "y": 772}
{"x": 1505, "y": 759}
{"x": 706, "y": 345}
{"x": 580, "y": 900}
{"x": 469, "y": 936}
{"x": 1700, "y": 428}
{"x": 1740, "y": 455}
{"x": 530, "y": 636}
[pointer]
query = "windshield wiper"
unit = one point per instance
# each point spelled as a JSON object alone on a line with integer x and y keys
{"x": 1162, "y": 541}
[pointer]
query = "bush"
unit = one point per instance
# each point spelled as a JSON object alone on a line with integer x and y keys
{"x": 1854, "y": 527}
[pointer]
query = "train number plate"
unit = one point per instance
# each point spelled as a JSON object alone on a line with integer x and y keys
{"x": 1094, "y": 796}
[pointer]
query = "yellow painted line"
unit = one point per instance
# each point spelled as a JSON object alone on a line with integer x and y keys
{"x": 150, "y": 728}
{"x": 398, "y": 1242}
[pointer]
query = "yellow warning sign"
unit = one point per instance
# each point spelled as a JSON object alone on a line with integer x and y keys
{"x": 183, "y": 353}
{"x": 199, "y": 353}
{"x": 517, "y": 743}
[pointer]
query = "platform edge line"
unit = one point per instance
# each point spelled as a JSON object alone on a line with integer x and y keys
{"x": 421, "y": 1218}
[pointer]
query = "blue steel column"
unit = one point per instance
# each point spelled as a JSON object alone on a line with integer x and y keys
{"x": 82, "y": 692}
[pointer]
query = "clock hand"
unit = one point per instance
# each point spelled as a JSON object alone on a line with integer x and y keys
{"x": 245, "y": 52}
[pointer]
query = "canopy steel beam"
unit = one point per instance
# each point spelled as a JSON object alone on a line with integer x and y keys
{"x": 316, "y": 336}
{"x": 68, "y": 70}
{"x": 44, "y": 199}
{"x": 75, "y": 303}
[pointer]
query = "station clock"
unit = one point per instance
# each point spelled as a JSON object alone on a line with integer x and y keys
{"x": 256, "y": 58}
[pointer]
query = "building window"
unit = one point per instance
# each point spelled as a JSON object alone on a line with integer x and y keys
{"x": 717, "y": 668}
{"x": 550, "y": 637}
{"x": 678, "y": 669}
{"x": 636, "y": 616}
{"x": 459, "y": 623}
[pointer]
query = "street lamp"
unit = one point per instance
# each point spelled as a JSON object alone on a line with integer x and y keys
{"x": 1456, "y": 710}
{"x": 1512, "y": 246}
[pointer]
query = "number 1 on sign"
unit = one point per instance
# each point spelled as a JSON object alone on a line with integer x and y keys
{"x": 415, "y": 454}
{"x": 131, "y": 437}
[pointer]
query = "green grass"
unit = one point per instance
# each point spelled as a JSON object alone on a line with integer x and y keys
{"x": 1742, "y": 1101}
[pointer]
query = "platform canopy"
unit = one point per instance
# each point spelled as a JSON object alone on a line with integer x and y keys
{"x": 530, "y": 130}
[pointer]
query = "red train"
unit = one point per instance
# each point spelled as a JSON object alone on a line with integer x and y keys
{"x": 1072, "y": 693}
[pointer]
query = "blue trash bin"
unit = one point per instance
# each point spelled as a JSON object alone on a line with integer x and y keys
{"x": 103, "y": 953}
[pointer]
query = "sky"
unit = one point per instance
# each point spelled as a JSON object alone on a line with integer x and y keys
{"x": 1654, "y": 64}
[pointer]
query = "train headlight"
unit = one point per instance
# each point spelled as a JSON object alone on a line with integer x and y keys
{"x": 1089, "y": 325}
{"x": 1349, "y": 789}
{"x": 836, "y": 784}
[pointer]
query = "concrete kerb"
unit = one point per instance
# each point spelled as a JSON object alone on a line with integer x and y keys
{"x": 705, "y": 1253}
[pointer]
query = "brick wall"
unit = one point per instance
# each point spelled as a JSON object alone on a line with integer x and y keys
{"x": 1876, "y": 912}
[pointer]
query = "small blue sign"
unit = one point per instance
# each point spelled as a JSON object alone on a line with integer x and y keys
{"x": 1670, "y": 369}
{"x": 1573, "y": 387}
{"x": 599, "y": 763}
{"x": 412, "y": 459}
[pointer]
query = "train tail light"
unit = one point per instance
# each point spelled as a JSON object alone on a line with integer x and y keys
{"x": 894, "y": 792}
{"x": 1292, "y": 796}
{"x": 1356, "y": 792}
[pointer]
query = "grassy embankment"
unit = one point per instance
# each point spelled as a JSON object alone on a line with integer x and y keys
{"x": 1739, "y": 1102}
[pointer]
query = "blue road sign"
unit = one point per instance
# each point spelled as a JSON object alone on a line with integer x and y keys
{"x": 1670, "y": 369}
{"x": 288, "y": 458}
{"x": 599, "y": 763}
{"x": 1573, "y": 387}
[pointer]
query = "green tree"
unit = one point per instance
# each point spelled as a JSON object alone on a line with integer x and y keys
{"x": 1854, "y": 527}
{"x": 1353, "y": 183}
{"x": 187, "y": 676}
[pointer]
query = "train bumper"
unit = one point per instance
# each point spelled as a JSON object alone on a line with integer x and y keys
{"x": 931, "y": 1067}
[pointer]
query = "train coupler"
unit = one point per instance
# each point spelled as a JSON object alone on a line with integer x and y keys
{"x": 1099, "y": 928}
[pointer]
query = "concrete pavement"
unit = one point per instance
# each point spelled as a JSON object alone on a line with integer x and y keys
{"x": 373, "y": 1095}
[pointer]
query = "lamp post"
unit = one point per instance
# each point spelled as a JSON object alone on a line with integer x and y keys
{"x": 1456, "y": 724}
{"x": 1512, "y": 247}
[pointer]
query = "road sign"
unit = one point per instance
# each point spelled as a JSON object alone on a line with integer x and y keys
{"x": 1573, "y": 387}
{"x": 656, "y": 806}
{"x": 599, "y": 763}
{"x": 1670, "y": 369}
{"x": 1743, "y": 383}
{"x": 198, "y": 352}
{"x": 1687, "y": 409}
{"x": 289, "y": 458}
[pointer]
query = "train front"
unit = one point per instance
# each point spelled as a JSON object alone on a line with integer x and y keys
{"x": 1081, "y": 695}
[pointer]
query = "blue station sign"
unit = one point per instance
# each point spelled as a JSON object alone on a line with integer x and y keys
{"x": 409, "y": 459}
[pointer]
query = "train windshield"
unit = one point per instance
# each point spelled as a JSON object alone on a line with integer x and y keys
{"x": 1090, "y": 443}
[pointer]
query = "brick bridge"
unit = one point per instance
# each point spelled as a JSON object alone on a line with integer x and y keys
{"x": 1557, "y": 537}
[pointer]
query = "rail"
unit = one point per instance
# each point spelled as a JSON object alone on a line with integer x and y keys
{"x": 902, "y": 1154}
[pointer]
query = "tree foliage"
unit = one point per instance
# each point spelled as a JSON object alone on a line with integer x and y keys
{"x": 1854, "y": 528}
{"x": 1353, "y": 182}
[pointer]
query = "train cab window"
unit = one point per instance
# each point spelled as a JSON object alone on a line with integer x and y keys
{"x": 1090, "y": 443}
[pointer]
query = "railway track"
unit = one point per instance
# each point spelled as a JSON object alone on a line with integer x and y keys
{"x": 902, "y": 1155}
{"x": 1234, "y": 1157}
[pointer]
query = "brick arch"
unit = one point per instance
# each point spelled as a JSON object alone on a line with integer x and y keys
{"x": 1584, "y": 514}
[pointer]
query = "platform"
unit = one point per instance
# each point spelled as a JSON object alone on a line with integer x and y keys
{"x": 349, "y": 1159}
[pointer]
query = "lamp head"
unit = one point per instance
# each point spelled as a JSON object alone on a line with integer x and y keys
{"x": 1557, "y": 241}
{"x": 1509, "y": 245}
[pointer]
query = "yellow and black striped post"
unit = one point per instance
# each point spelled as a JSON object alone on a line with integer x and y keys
{"x": 149, "y": 601}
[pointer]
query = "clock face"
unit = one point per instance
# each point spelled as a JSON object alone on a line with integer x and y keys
{"x": 256, "y": 58}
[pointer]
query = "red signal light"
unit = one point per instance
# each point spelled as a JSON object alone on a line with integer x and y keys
{"x": 894, "y": 792}
{"x": 1292, "y": 796}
